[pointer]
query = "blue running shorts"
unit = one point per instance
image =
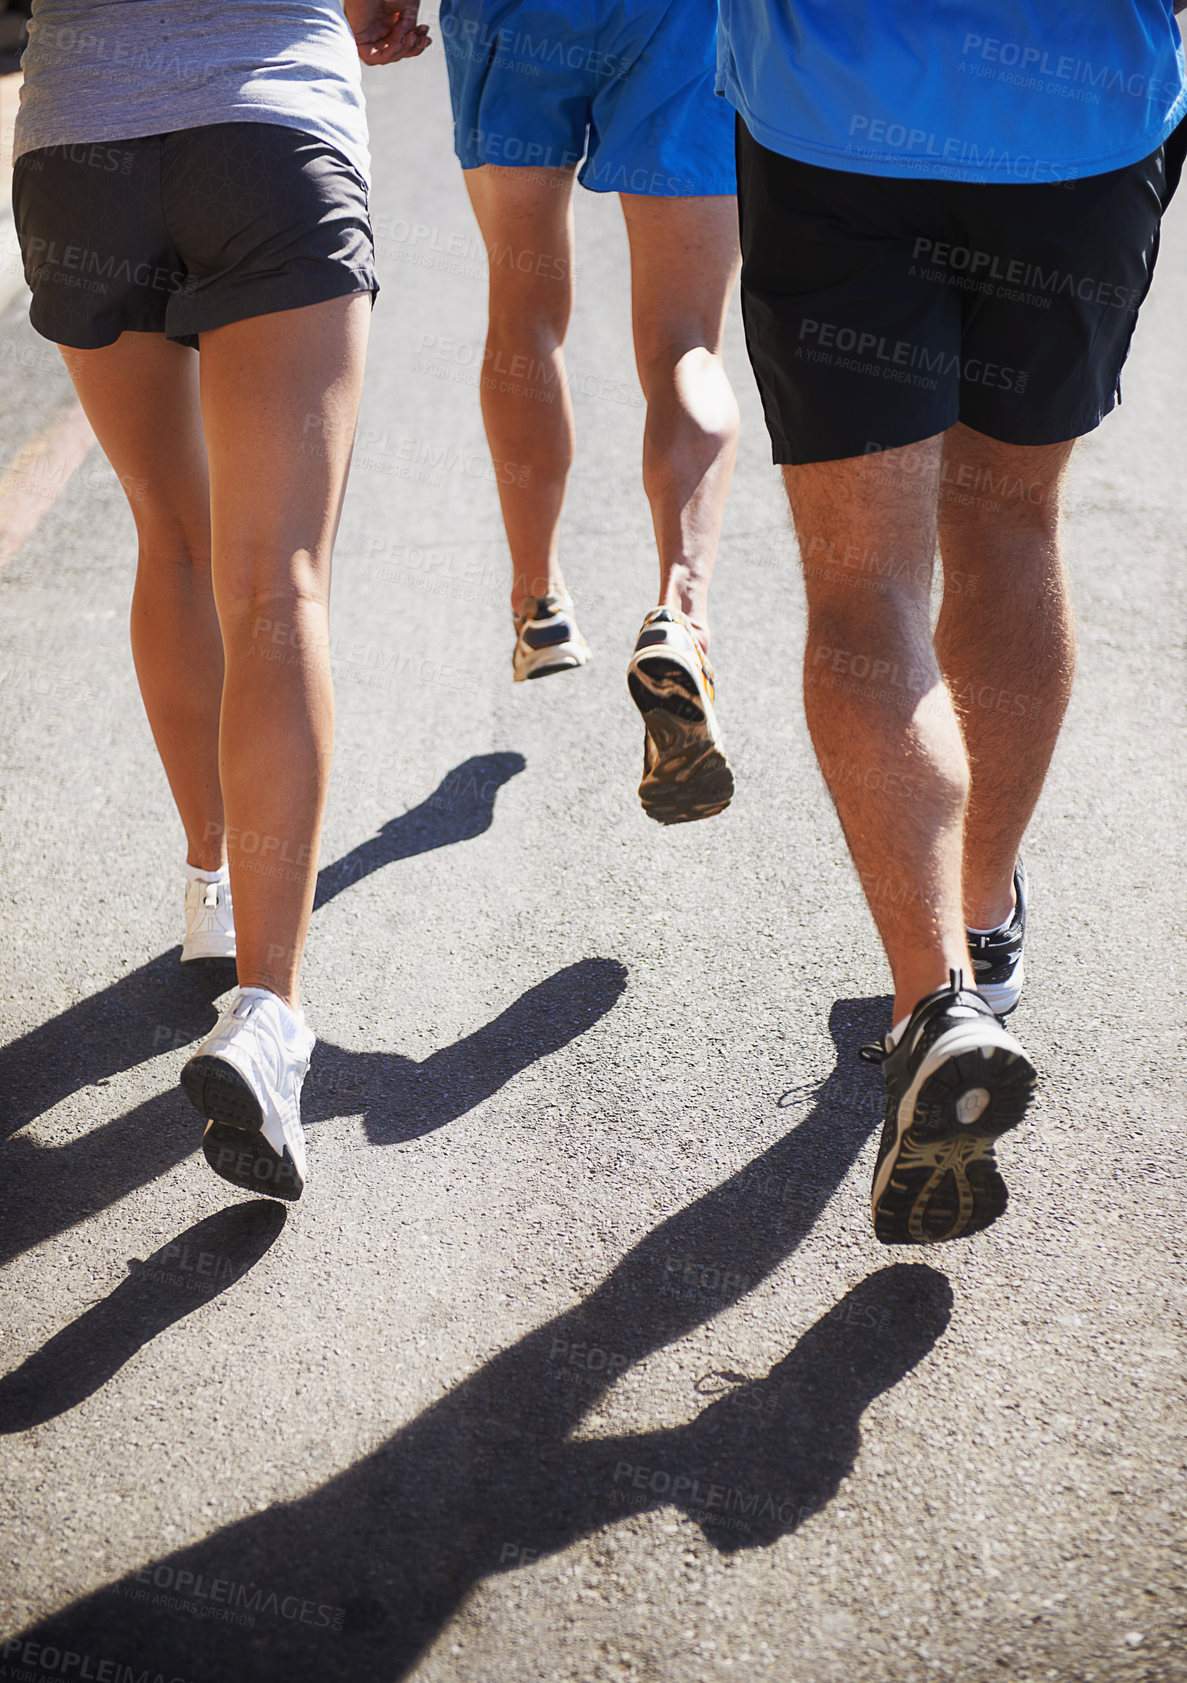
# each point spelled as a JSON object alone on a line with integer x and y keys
{"x": 626, "y": 85}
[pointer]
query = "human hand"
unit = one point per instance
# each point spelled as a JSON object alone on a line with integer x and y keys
{"x": 386, "y": 30}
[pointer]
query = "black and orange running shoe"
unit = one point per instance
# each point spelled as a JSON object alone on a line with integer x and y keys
{"x": 685, "y": 772}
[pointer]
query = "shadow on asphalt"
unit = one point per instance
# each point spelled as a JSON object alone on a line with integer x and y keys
{"x": 355, "y": 1579}
{"x": 401, "y": 1099}
{"x": 165, "y": 1005}
{"x": 180, "y": 1277}
{"x": 461, "y": 807}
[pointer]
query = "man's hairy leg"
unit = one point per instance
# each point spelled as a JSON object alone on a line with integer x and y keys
{"x": 879, "y": 713}
{"x": 1005, "y": 642}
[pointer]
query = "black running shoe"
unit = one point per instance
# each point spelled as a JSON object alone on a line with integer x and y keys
{"x": 997, "y": 958}
{"x": 685, "y": 772}
{"x": 955, "y": 1081}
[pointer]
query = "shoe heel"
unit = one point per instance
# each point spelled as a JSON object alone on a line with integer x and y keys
{"x": 1007, "y": 1080}
{"x": 249, "y": 1162}
{"x": 220, "y": 1094}
{"x": 656, "y": 683}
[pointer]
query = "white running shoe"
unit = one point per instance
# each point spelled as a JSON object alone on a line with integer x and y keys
{"x": 209, "y": 920}
{"x": 547, "y": 639}
{"x": 246, "y": 1079}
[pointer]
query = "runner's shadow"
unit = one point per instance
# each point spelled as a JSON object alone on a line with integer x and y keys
{"x": 495, "y": 1474}
{"x": 181, "y": 1276}
{"x": 165, "y": 1005}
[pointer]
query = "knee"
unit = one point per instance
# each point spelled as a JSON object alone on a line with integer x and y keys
{"x": 987, "y": 511}
{"x": 285, "y": 626}
{"x": 529, "y": 317}
{"x": 673, "y": 355}
{"x": 168, "y": 546}
{"x": 690, "y": 402}
{"x": 870, "y": 643}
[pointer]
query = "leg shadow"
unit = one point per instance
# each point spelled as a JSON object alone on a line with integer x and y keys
{"x": 162, "y": 1004}
{"x": 771, "y": 1453}
{"x": 191, "y": 1270}
{"x": 492, "y": 1475}
{"x": 461, "y": 807}
{"x": 166, "y": 1004}
{"x": 50, "y": 1188}
{"x": 402, "y": 1099}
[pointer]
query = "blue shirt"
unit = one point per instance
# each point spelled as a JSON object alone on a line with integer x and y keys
{"x": 964, "y": 90}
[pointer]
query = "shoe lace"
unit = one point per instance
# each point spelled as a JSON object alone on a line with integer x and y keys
{"x": 873, "y": 1054}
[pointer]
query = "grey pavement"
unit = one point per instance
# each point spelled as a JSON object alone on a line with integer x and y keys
{"x": 578, "y": 1360}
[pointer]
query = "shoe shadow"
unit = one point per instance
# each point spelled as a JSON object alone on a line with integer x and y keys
{"x": 180, "y": 1277}
{"x": 494, "y": 1475}
{"x": 401, "y": 1099}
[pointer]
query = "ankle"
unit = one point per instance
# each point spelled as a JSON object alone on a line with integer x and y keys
{"x": 527, "y": 590}
{"x": 687, "y": 592}
{"x": 916, "y": 985}
{"x": 696, "y": 614}
{"x": 989, "y": 911}
{"x": 201, "y": 862}
{"x": 289, "y": 997}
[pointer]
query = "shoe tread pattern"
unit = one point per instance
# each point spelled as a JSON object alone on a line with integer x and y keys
{"x": 686, "y": 776}
{"x": 945, "y": 1182}
{"x": 232, "y": 1142}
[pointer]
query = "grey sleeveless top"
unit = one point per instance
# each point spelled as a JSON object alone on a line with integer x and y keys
{"x": 99, "y": 70}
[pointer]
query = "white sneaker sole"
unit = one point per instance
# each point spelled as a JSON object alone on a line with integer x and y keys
{"x": 216, "y": 945}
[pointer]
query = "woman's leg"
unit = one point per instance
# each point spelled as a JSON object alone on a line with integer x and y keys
{"x": 526, "y": 220}
{"x": 141, "y": 397}
{"x": 684, "y": 262}
{"x": 280, "y": 396}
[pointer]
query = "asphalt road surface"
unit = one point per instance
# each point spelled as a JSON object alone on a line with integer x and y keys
{"x": 578, "y": 1360}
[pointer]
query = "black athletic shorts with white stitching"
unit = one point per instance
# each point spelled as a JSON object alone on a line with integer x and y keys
{"x": 182, "y": 233}
{"x": 880, "y": 311}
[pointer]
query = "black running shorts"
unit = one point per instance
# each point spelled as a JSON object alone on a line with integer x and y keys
{"x": 180, "y": 233}
{"x": 881, "y": 311}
